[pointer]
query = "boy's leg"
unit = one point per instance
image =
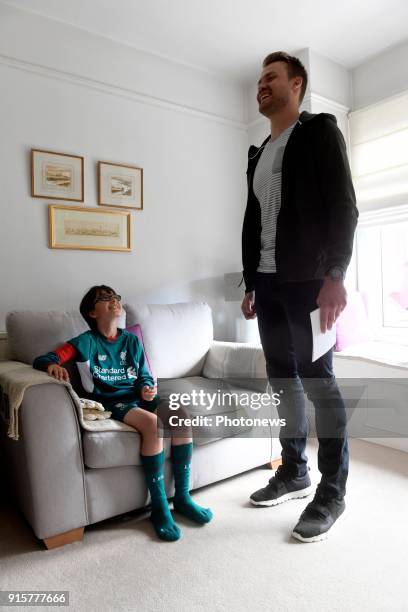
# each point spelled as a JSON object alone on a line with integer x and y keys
{"x": 181, "y": 454}
{"x": 152, "y": 456}
{"x": 181, "y": 458}
{"x": 146, "y": 423}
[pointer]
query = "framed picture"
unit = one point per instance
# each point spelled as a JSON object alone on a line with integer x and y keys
{"x": 57, "y": 176}
{"x": 120, "y": 185}
{"x": 75, "y": 227}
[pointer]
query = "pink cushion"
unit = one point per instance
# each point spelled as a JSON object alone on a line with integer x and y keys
{"x": 136, "y": 330}
{"x": 353, "y": 325}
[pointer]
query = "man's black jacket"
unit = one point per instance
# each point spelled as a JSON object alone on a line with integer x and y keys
{"x": 318, "y": 214}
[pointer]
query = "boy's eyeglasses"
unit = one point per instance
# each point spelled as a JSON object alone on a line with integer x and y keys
{"x": 108, "y": 298}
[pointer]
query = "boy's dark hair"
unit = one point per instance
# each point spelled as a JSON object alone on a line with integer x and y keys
{"x": 294, "y": 67}
{"x": 88, "y": 302}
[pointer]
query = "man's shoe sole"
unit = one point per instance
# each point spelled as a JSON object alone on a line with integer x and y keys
{"x": 279, "y": 500}
{"x": 321, "y": 536}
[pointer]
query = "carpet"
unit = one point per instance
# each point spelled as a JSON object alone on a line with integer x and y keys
{"x": 245, "y": 559}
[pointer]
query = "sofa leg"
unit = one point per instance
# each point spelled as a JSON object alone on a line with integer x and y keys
{"x": 64, "y": 538}
{"x": 272, "y": 465}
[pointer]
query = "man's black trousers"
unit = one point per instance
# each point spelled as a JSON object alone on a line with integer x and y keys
{"x": 283, "y": 312}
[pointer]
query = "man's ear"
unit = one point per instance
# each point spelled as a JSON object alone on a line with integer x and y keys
{"x": 298, "y": 81}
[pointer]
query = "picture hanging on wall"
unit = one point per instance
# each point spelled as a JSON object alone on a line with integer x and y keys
{"x": 57, "y": 175}
{"x": 75, "y": 227}
{"x": 120, "y": 185}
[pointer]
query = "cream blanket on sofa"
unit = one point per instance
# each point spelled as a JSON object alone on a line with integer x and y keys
{"x": 16, "y": 377}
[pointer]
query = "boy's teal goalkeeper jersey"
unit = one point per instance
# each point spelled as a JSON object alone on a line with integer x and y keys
{"x": 110, "y": 369}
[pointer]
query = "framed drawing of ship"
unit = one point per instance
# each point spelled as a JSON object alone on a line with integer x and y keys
{"x": 76, "y": 227}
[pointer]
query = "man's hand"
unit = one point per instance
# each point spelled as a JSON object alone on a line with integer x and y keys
{"x": 331, "y": 300}
{"x": 148, "y": 393}
{"x": 248, "y": 305}
{"x": 58, "y": 372}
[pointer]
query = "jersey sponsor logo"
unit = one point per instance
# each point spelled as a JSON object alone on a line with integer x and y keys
{"x": 131, "y": 372}
{"x": 109, "y": 375}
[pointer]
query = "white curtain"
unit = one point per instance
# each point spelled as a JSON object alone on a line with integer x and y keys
{"x": 379, "y": 153}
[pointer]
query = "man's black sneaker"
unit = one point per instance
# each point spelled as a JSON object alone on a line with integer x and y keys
{"x": 318, "y": 518}
{"x": 281, "y": 487}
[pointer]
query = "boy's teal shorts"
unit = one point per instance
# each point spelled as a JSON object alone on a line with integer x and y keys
{"x": 158, "y": 406}
{"x": 120, "y": 409}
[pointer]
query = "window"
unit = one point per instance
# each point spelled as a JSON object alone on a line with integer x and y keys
{"x": 379, "y": 164}
{"x": 382, "y": 271}
{"x": 394, "y": 260}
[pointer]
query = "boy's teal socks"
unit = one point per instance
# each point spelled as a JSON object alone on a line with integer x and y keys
{"x": 161, "y": 517}
{"x": 181, "y": 459}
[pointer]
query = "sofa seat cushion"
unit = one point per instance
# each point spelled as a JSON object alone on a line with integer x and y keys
{"x": 225, "y": 400}
{"x": 117, "y": 448}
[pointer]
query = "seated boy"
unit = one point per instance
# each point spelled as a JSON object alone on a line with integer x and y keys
{"x": 113, "y": 371}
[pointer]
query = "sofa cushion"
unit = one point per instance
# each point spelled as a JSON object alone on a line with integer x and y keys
{"x": 235, "y": 360}
{"x": 32, "y": 333}
{"x": 117, "y": 448}
{"x": 176, "y": 336}
{"x": 225, "y": 394}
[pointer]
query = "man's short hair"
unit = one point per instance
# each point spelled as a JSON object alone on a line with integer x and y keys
{"x": 294, "y": 67}
{"x": 88, "y": 302}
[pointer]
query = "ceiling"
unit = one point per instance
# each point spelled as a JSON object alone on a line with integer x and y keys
{"x": 231, "y": 37}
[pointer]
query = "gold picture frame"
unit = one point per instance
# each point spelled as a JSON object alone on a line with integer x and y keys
{"x": 76, "y": 227}
{"x": 57, "y": 176}
{"x": 120, "y": 185}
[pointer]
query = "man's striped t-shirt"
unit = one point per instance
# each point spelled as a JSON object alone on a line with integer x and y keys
{"x": 267, "y": 188}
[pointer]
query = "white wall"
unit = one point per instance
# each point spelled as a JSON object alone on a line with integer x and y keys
{"x": 329, "y": 79}
{"x": 383, "y": 76}
{"x": 67, "y": 90}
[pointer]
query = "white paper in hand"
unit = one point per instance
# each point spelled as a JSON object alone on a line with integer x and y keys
{"x": 321, "y": 342}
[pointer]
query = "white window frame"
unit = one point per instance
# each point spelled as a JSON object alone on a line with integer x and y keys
{"x": 378, "y": 218}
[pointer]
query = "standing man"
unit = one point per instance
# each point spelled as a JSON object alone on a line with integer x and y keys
{"x": 297, "y": 242}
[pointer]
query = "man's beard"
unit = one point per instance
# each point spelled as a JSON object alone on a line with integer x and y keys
{"x": 274, "y": 105}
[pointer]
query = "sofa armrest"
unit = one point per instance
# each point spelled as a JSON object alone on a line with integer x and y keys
{"x": 238, "y": 360}
{"x": 46, "y": 467}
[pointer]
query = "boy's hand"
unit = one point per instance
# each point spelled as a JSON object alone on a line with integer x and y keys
{"x": 58, "y": 372}
{"x": 148, "y": 393}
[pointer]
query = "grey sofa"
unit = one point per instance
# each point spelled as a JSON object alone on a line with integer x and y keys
{"x": 65, "y": 477}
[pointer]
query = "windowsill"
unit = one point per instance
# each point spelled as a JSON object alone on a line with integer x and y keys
{"x": 398, "y": 337}
{"x": 382, "y": 352}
